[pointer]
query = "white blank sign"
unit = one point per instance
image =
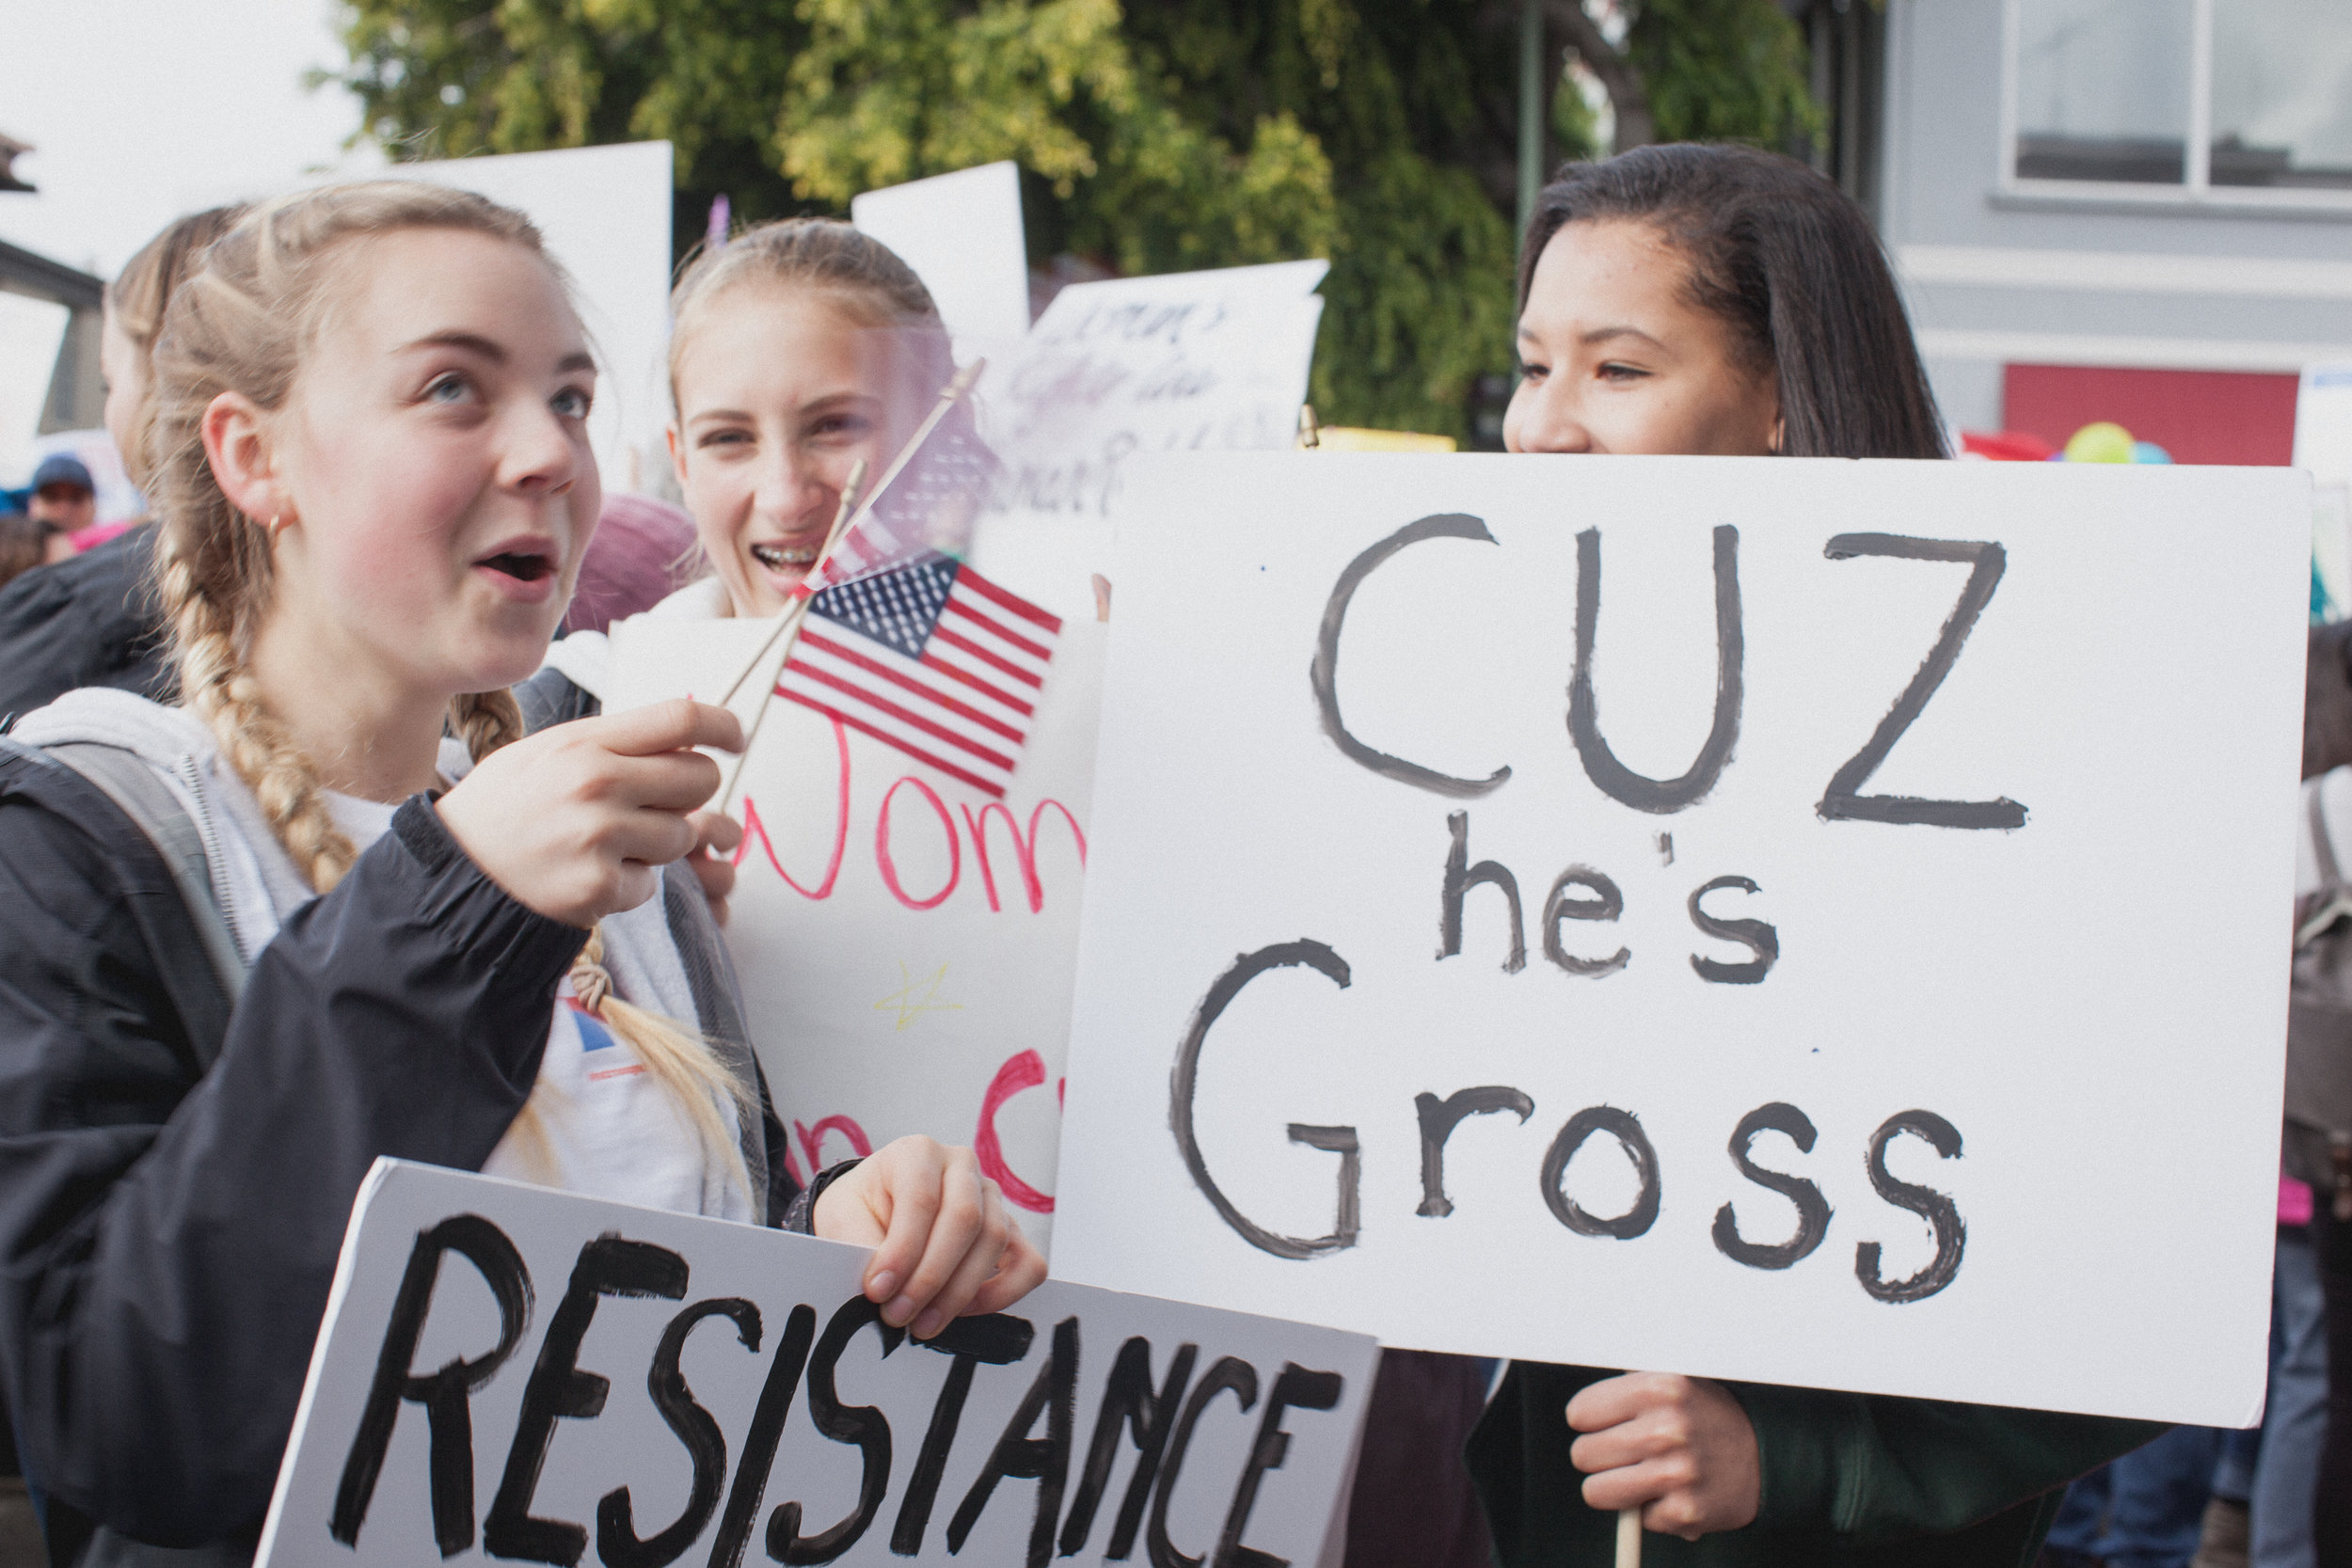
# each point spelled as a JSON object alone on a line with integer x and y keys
{"x": 1886, "y": 991}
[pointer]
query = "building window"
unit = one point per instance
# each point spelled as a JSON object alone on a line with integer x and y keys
{"x": 2184, "y": 99}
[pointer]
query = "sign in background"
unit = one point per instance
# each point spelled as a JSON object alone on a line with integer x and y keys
{"x": 1816, "y": 922}
{"x": 508, "y": 1371}
{"x": 906, "y": 942}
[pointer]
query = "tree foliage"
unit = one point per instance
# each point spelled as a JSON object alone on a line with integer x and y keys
{"x": 1157, "y": 135}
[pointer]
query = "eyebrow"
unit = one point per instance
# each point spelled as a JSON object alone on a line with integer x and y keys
{"x": 830, "y": 399}
{"x": 1603, "y": 333}
{"x": 474, "y": 342}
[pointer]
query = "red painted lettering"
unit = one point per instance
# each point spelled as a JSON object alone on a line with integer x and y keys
{"x": 1026, "y": 848}
{"x": 754, "y": 828}
{"x": 1024, "y": 1071}
{"x": 813, "y": 1141}
{"x": 889, "y": 867}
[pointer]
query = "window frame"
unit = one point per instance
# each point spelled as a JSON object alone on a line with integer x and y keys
{"x": 2196, "y": 192}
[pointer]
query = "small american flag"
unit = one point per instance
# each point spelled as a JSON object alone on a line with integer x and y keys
{"x": 932, "y": 658}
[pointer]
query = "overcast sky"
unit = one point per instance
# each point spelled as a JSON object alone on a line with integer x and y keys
{"x": 145, "y": 109}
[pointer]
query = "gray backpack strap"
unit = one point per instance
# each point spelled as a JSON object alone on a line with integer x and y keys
{"x": 148, "y": 801}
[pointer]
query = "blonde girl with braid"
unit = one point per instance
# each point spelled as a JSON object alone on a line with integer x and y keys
{"x": 427, "y": 934}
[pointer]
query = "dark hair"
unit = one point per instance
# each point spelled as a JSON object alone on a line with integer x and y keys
{"x": 2328, "y": 700}
{"x": 1791, "y": 266}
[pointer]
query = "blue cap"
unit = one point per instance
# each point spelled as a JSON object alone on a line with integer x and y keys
{"x": 61, "y": 468}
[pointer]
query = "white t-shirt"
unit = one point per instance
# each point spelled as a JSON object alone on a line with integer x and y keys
{"x": 606, "y": 1127}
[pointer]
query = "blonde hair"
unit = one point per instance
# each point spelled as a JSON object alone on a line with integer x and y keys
{"x": 137, "y": 298}
{"x": 862, "y": 276}
{"x": 242, "y": 322}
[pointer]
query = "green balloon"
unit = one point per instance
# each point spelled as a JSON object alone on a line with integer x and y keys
{"x": 2101, "y": 442}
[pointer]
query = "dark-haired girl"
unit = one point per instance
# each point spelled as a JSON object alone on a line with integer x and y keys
{"x": 1722, "y": 301}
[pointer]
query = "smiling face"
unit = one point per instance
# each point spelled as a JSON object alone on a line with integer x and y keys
{"x": 427, "y": 481}
{"x": 1618, "y": 358}
{"x": 780, "y": 392}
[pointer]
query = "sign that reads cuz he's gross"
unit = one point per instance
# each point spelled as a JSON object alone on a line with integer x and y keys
{"x": 516, "y": 1374}
{"x": 1816, "y": 923}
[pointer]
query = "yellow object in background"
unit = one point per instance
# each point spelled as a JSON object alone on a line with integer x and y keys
{"x": 2101, "y": 442}
{"x": 1333, "y": 438}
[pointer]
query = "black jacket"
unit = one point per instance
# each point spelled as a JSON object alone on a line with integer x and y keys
{"x": 90, "y": 621}
{"x": 176, "y": 1176}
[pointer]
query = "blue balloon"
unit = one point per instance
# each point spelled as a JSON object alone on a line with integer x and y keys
{"x": 2148, "y": 451}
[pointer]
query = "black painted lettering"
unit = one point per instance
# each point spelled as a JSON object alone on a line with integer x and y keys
{"x": 1182, "y": 1082}
{"x": 1460, "y": 877}
{"x": 1127, "y": 1402}
{"x": 863, "y": 1426}
{"x": 1324, "y": 673}
{"x": 759, "y": 1440}
{"x": 1439, "y": 1117}
{"x": 997, "y": 1340}
{"x": 1601, "y": 766}
{"x": 1626, "y": 1128}
{"x": 1295, "y": 1389}
{"x": 1607, "y": 903}
{"x": 617, "y": 1545}
{"x": 1018, "y": 1456}
{"x": 449, "y": 1419}
{"x": 1939, "y": 1210}
{"x": 1813, "y": 1210}
{"x": 608, "y": 1266}
{"x": 1843, "y": 799}
{"x": 1757, "y": 938}
{"x": 1230, "y": 1372}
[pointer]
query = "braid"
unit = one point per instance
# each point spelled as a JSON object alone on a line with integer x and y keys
{"x": 216, "y": 686}
{"x": 485, "y": 721}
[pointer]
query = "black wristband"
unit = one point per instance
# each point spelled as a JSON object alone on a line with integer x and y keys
{"x": 801, "y": 1218}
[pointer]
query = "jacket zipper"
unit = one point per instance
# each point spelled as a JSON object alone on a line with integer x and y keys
{"x": 185, "y": 769}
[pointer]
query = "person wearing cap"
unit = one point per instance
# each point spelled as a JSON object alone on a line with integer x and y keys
{"x": 64, "y": 500}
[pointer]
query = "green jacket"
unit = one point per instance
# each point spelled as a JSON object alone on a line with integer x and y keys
{"x": 1855, "y": 1481}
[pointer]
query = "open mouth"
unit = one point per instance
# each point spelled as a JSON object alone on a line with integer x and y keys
{"x": 521, "y": 566}
{"x": 776, "y": 558}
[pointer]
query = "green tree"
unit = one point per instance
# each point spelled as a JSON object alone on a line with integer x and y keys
{"x": 1155, "y": 135}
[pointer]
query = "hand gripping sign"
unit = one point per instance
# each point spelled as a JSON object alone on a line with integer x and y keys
{"x": 1806, "y": 921}
{"x": 510, "y": 1372}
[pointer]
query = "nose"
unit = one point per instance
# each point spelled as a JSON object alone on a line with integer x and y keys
{"x": 542, "y": 457}
{"x": 1542, "y": 416}
{"x": 788, "y": 483}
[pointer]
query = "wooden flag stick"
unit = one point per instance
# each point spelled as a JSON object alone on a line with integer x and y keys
{"x": 1628, "y": 1538}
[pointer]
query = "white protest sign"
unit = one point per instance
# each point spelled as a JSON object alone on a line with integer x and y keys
{"x": 1209, "y": 361}
{"x": 509, "y": 1371}
{"x": 604, "y": 213}
{"x": 962, "y": 234}
{"x": 31, "y": 331}
{"x": 1846, "y": 951}
{"x": 907, "y": 942}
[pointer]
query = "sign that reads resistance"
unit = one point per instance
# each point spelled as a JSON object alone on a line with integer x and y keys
{"x": 1800, "y": 921}
{"x": 510, "y": 1372}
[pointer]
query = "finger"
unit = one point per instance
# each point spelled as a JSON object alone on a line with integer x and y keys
{"x": 1633, "y": 1485}
{"x": 721, "y": 834}
{"x": 654, "y": 837}
{"x": 1020, "y": 1269}
{"x": 681, "y": 782}
{"x": 903, "y": 1203}
{"x": 671, "y": 727}
{"x": 974, "y": 1270}
{"x": 1611, "y": 1401}
{"x": 954, "y": 1227}
{"x": 716, "y": 876}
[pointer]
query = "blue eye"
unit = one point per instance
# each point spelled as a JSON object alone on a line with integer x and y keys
{"x": 447, "y": 388}
{"x": 572, "y": 403}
